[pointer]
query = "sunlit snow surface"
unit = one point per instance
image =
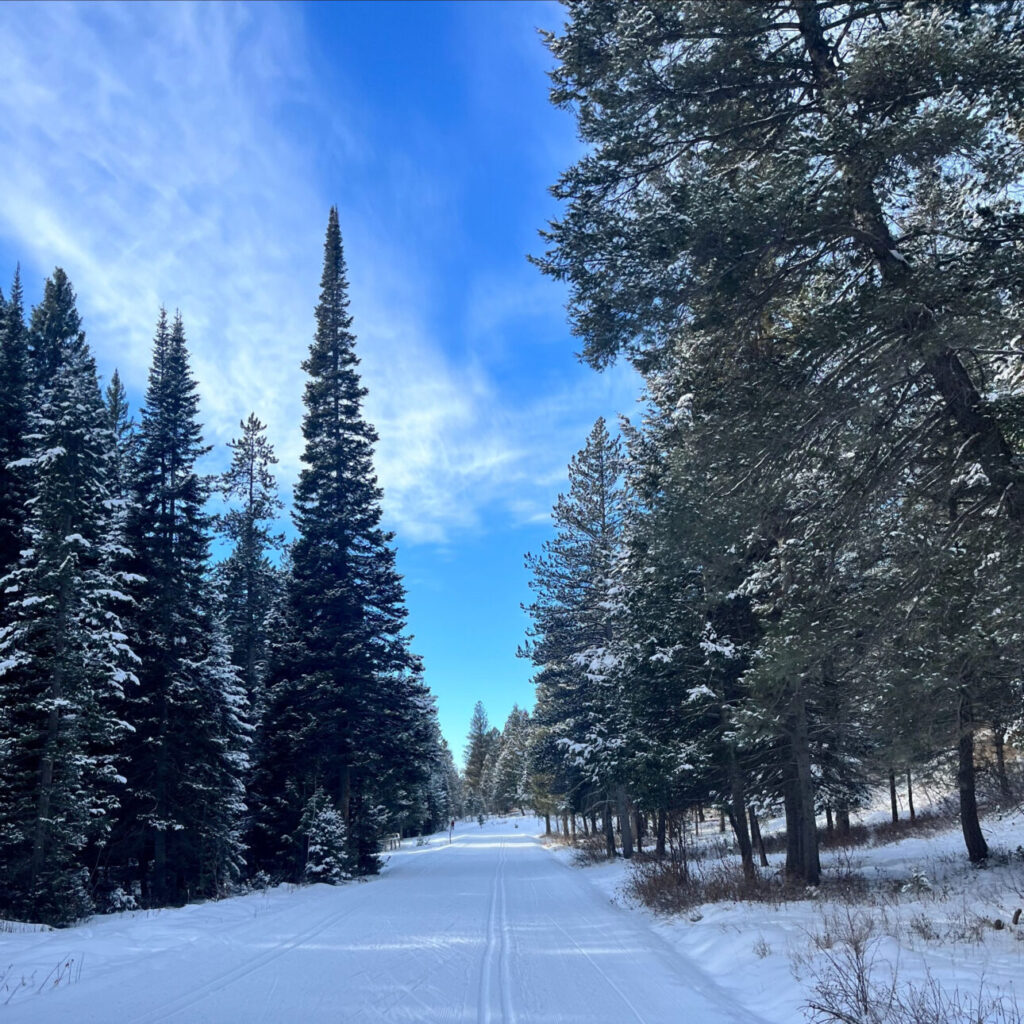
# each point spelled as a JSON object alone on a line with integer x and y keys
{"x": 496, "y": 927}
{"x": 489, "y": 928}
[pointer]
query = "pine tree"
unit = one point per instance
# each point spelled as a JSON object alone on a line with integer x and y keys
{"x": 247, "y": 577}
{"x": 16, "y": 400}
{"x": 187, "y": 755}
{"x": 64, "y": 661}
{"x": 510, "y": 767}
{"x": 475, "y": 757}
{"x": 579, "y": 698}
{"x": 348, "y": 692}
{"x": 799, "y": 211}
{"x": 55, "y": 328}
{"x": 123, "y": 427}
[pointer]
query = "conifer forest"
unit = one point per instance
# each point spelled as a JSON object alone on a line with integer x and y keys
{"x": 796, "y": 576}
{"x": 781, "y": 592}
{"x": 173, "y": 726}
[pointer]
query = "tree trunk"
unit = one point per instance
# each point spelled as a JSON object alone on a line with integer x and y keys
{"x": 609, "y": 832}
{"x": 627, "y": 834}
{"x": 572, "y": 825}
{"x": 910, "y": 796}
{"x": 737, "y": 815}
{"x": 843, "y": 819}
{"x": 977, "y": 848}
{"x": 755, "y": 833}
{"x": 638, "y": 828}
{"x": 999, "y": 741}
{"x": 894, "y": 806}
{"x": 659, "y": 847}
{"x": 801, "y": 828}
{"x": 547, "y": 824}
{"x": 829, "y": 824}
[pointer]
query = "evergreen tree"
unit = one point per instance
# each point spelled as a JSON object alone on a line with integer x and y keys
{"x": 573, "y": 612}
{"x": 55, "y": 328}
{"x": 64, "y": 661}
{"x": 247, "y": 577}
{"x": 181, "y": 826}
{"x": 343, "y": 698}
{"x": 799, "y": 211}
{"x": 16, "y": 401}
{"x": 475, "y": 757}
{"x": 123, "y": 427}
{"x": 510, "y": 767}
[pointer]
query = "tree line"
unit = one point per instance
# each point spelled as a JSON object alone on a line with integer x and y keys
{"x": 171, "y": 726}
{"x": 798, "y": 573}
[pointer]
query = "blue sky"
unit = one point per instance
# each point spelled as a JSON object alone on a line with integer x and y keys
{"x": 188, "y": 154}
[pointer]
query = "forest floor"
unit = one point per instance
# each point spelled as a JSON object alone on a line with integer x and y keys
{"x": 500, "y": 926}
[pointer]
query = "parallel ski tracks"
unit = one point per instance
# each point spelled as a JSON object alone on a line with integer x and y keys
{"x": 497, "y": 947}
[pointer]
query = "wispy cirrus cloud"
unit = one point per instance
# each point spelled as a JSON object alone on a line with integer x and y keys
{"x": 185, "y": 155}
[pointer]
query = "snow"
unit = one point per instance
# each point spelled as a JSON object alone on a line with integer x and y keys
{"x": 499, "y": 926}
{"x": 489, "y": 928}
{"x": 931, "y": 915}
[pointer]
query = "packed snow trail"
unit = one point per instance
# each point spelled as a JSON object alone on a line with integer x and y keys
{"x": 489, "y": 929}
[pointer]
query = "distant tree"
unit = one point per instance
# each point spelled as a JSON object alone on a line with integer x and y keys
{"x": 16, "y": 401}
{"x": 247, "y": 577}
{"x": 476, "y": 752}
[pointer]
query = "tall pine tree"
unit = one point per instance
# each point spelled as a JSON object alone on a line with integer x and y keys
{"x": 181, "y": 827}
{"x": 345, "y": 694}
{"x": 64, "y": 662}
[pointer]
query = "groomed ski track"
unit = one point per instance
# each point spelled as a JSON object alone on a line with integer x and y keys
{"x": 492, "y": 928}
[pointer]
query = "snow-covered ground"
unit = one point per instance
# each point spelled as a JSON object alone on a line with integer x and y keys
{"x": 498, "y": 926}
{"x": 925, "y": 911}
{"x": 489, "y": 928}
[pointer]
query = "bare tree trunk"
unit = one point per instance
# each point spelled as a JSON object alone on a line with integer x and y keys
{"x": 893, "y": 804}
{"x": 755, "y": 832}
{"x": 977, "y": 848}
{"x": 659, "y": 847}
{"x": 547, "y": 824}
{"x": 801, "y": 828}
{"x": 609, "y": 832}
{"x": 627, "y": 835}
{"x": 843, "y": 819}
{"x": 738, "y": 817}
{"x": 999, "y": 741}
{"x": 910, "y": 796}
{"x": 829, "y": 824}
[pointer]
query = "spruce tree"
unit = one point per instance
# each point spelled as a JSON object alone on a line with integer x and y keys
{"x": 572, "y": 637}
{"x": 188, "y": 748}
{"x": 55, "y": 327}
{"x": 346, "y": 693}
{"x": 123, "y": 427}
{"x": 247, "y": 577}
{"x": 16, "y": 401}
{"x": 64, "y": 661}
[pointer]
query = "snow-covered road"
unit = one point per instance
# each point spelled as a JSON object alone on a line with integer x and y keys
{"x": 490, "y": 928}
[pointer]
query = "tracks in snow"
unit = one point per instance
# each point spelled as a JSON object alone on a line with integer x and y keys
{"x": 497, "y": 948}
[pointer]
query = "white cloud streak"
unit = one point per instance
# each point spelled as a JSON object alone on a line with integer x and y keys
{"x": 156, "y": 152}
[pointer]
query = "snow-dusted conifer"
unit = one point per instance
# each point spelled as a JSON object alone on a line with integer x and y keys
{"x": 64, "y": 658}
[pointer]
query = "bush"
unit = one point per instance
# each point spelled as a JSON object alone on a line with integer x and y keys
{"x": 854, "y": 984}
